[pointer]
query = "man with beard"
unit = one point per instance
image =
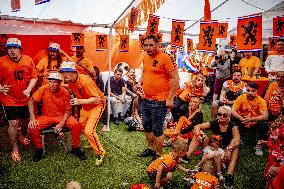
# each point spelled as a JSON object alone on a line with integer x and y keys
{"x": 230, "y": 92}
{"x": 84, "y": 65}
{"x": 274, "y": 97}
{"x": 251, "y": 114}
{"x": 17, "y": 79}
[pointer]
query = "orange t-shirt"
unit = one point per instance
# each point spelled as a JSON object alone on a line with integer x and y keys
{"x": 205, "y": 180}
{"x": 245, "y": 107}
{"x": 249, "y": 64}
{"x": 85, "y": 88}
{"x": 85, "y": 62}
{"x": 188, "y": 92}
{"x": 18, "y": 76}
{"x": 166, "y": 160}
{"x": 43, "y": 68}
{"x": 206, "y": 62}
{"x": 156, "y": 78}
{"x": 54, "y": 104}
{"x": 273, "y": 96}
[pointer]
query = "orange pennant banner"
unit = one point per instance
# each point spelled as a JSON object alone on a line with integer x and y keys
{"x": 222, "y": 30}
{"x": 272, "y": 42}
{"x": 233, "y": 40}
{"x": 133, "y": 19}
{"x": 278, "y": 26}
{"x": 153, "y": 24}
{"x": 160, "y": 37}
{"x": 177, "y": 33}
{"x": 124, "y": 43}
{"x": 208, "y": 35}
{"x": 189, "y": 45}
{"x": 141, "y": 41}
{"x": 249, "y": 32}
{"x": 101, "y": 42}
{"x": 77, "y": 39}
{"x": 15, "y": 5}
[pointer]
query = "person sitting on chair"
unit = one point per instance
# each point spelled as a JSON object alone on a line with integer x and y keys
{"x": 56, "y": 110}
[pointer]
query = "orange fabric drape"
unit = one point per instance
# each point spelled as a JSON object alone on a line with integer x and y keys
{"x": 77, "y": 39}
{"x": 177, "y": 33}
{"x": 222, "y": 30}
{"x": 207, "y": 12}
{"x": 272, "y": 42}
{"x": 278, "y": 26}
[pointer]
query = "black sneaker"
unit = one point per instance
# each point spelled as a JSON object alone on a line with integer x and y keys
{"x": 116, "y": 121}
{"x": 229, "y": 181}
{"x": 122, "y": 118}
{"x": 38, "y": 155}
{"x": 78, "y": 153}
{"x": 153, "y": 159}
{"x": 146, "y": 153}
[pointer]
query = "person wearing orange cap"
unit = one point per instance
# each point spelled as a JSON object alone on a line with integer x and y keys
{"x": 56, "y": 110}
{"x": 93, "y": 103}
{"x": 17, "y": 79}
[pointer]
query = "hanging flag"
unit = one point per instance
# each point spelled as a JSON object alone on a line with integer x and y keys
{"x": 133, "y": 19}
{"x": 208, "y": 35}
{"x": 38, "y": 2}
{"x": 177, "y": 33}
{"x": 272, "y": 42}
{"x": 101, "y": 42}
{"x": 124, "y": 43}
{"x": 77, "y": 39}
{"x": 233, "y": 40}
{"x": 189, "y": 45}
{"x": 160, "y": 37}
{"x": 141, "y": 41}
{"x": 15, "y": 5}
{"x": 249, "y": 32}
{"x": 278, "y": 26}
{"x": 207, "y": 12}
{"x": 153, "y": 23}
{"x": 222, "y": 30}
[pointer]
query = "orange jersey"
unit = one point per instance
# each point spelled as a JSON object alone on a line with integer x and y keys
{"x": 206, "y": 62}
{"x": 273, "y": 96}
{"x": 156, "y": 78}
{"x": 85, "y": 88}
{"x": 166, "y": 160}
{"x": 44, "y": 68}
{"x": 205, "y": 180}
{"x": 54, "y": 104}
{"x": 85, "y": 62}
{"x": 189, "y": 92}
{"x": 249, "y": 65}
{"x": 248, "y": 108}
{"x": 17, "y": 75}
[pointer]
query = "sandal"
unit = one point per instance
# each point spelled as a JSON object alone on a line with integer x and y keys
{"x": 15, "y": 156}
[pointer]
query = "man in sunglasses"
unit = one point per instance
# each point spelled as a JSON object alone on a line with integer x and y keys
{"x": 251, "y": 114}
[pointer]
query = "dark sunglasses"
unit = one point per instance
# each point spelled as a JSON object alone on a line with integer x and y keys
{"x": 224, "y": 115}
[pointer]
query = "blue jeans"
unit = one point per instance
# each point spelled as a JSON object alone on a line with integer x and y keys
{"x": 153, "y": 116}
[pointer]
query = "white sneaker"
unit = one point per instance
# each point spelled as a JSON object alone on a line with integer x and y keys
{"x": 258, "y": 150}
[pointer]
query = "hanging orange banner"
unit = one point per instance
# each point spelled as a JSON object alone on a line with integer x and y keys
{"x": 278, "y": 26}
{"x": 233, "y": 40}
{"x": 208, "y": 35}
{"x": 177, "y": 33}
{"x": 38, "y": 2}
{"x": 15, "y": 5}
{"x": 160, "y": 37}
{"x": 189, "y": 45}
{"x": 101, "y": 42}
{"x": 133, "y": 19}
{"x": 249, "y": 32}
{"x": 153, "y": 24}
{"x": 222, "y": 30}
{"x": 141, "y": 41}
{"x": 124, "y": 43}
{"x": 272, "y": 42}
{"x": 77, "y": 39}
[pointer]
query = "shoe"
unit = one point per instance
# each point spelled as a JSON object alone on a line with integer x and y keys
{"x": 185, "y": 159}
{"x": 258, "y": 150}
{"x": 122, "y": 118}
{"x": 146, "y": 153}
{"x": 100, "y": 158}
{"x": 78, "y": 153}
{"x": 153, "y": 159}
{"x": 38, "y": 155}
{"x": 220, "y": 177}
{"x": 229, "y": 181}
{"x": 116, "y": 121}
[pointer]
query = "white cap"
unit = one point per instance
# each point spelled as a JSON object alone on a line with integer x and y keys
{"x": 14, "y": 42}
{"x": 68, "y": 67}
{"x": 53, "y": 46}
{"x": 54, "y": 76}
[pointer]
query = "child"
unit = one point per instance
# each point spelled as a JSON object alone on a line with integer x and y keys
{"x": 161, "y": 170}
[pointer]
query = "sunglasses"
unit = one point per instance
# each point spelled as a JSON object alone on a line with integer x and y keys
{"x": 224, "y": 114}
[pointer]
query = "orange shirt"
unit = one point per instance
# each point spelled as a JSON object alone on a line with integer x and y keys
{"x": 206, "y": 62}
{"x": 273, "y": 97}
{"x": 205, "y": 180}
{"x": 166, "y": 160}
{"x": 85, "y": 62}
{"x": 189, "y": 92}
{"x": 249, "y": 64}
{"x": 156, "y": 78}
{"x": 54, "y": 104}
{"x": 85, "y": 88}
{"x": 245, "y": 107}
{"x": 43, "y": 69}
{"x": 18, "y": 76}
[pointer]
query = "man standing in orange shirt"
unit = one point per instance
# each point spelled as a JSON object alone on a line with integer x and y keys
{"x": 160, "y": 82}
{"x": 56, "y": 110}
{"x": 17, "y": 79}
{"x": 93, "y": 103}
{"x": 250, "y": 65}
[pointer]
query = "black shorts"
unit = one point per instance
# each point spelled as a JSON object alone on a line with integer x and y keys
{"x": 16, "y": 112}
{"x": 153, "y": 175}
